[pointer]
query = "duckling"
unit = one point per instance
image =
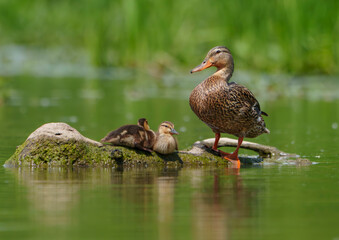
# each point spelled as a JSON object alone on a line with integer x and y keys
{"x": 165, "y": 143}
{"x": 135, "y": 136}
{"x": 226, "y": 107}
{"x": 150, "y": 134}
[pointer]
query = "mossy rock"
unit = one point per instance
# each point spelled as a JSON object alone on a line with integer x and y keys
{"x": 58, "y": 144}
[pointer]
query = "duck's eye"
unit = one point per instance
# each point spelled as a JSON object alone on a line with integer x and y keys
{"x": 218, "y": 51}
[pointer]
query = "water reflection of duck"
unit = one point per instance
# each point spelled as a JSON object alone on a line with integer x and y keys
{"x": 136, "y": 136}
{"x": 226, "y": 107}
{"x": 165, "y": 143}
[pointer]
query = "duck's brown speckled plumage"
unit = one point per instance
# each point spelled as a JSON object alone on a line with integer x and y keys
{"x": 226, "y": 107}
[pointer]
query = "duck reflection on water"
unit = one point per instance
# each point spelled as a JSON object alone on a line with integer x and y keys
{"x": 209, "y": 202}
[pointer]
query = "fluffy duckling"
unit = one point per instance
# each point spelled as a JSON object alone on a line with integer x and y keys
{"x": 135, "y": 136}
{"x": 165, "y": 143}
{"x": 150, "y": 134}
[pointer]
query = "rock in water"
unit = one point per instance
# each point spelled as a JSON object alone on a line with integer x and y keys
{"x": 61, "y": 131}
{"x": 58, "y": 144}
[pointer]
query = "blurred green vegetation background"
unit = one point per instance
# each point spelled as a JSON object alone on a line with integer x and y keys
{"x": 287, "y": 36}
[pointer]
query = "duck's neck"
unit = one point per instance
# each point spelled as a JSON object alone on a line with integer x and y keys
{"x": 224, "y": 73}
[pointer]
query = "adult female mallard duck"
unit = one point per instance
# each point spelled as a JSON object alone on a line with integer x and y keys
{"x": 226, "y": 107}
{"x": 136, "y": 136}
{"x": 165, "y": 143}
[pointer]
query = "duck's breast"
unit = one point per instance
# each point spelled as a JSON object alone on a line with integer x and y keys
{"x": 165, "y": 144}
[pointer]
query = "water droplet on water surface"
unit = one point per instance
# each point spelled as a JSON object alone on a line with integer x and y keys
{"x": 182, "y": 129}
{"x": 45, "y": 102}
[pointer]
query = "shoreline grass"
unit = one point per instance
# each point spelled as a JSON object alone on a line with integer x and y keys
{"x": 298, "y": 37}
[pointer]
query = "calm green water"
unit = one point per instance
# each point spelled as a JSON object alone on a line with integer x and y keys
{"x": 271, "y": 202}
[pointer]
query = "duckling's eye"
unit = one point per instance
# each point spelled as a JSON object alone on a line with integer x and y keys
{"x": 218, "y": 51}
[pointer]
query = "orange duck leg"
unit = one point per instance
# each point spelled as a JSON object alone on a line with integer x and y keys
{"x": 232, "y": 157}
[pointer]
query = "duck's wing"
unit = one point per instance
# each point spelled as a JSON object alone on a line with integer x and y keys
{"x": 245, "y": 99}
{"x": 249, "y": 115}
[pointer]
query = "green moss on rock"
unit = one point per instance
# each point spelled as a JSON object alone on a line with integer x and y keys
{"x": 53, "y": 152}
{"x": 58, "y": 144}
{"x": 48, "y": 151}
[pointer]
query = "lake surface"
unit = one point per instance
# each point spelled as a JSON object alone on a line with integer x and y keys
{"x": 267, "y": 202}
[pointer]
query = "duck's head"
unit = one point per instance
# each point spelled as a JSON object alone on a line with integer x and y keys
{"x": 219, "y": 57}
{"x": 167, "y": 128}
{"x": 142, "y": 122}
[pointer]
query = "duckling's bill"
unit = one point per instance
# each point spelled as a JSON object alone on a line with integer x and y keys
{"x": 174, "y": 132}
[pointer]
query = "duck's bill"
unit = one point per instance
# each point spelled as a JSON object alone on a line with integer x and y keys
{"x": 202, "y": 66}
{"x": 174, "y": 132}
